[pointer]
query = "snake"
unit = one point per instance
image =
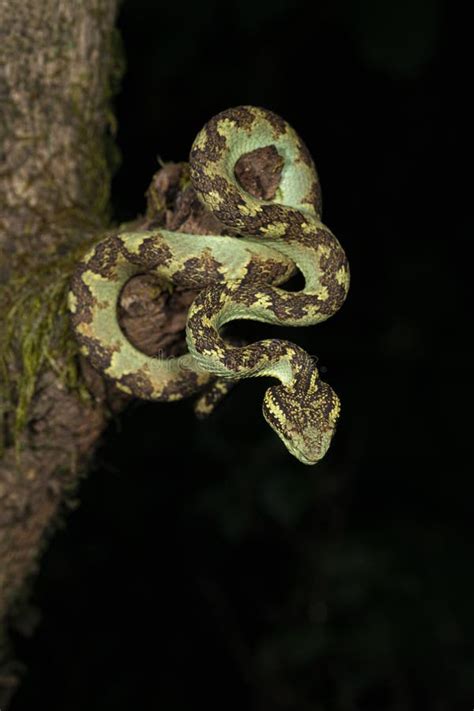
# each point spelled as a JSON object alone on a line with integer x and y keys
{"x": 237, "y": 276}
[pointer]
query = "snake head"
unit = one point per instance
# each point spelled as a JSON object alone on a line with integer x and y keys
{"x": 304, "y": 421}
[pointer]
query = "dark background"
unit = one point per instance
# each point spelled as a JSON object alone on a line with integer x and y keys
{"x": 205, "y": 565}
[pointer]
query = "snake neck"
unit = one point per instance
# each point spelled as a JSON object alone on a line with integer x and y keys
{"x": 283, "y": 360}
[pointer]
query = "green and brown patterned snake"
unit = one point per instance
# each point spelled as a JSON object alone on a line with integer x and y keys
{"x": 238, "y": 277}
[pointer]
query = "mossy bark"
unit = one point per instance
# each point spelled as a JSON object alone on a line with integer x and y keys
{"x": 59, "y": 63}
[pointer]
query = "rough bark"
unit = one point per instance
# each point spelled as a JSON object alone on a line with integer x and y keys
{"x": 58, "y": 62}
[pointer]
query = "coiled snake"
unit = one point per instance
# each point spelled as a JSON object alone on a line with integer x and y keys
{"x": 238, "y": 277}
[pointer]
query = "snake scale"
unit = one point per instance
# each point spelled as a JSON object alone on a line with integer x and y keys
{"x": 237, "y": 277}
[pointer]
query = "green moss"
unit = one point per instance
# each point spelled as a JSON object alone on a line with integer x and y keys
{"x": 35, "y": 334}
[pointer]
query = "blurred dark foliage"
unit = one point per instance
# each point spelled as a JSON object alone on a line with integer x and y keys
{"x": 204, "y": 565}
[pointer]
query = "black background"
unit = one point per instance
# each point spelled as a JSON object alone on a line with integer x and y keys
{"x": 205, "y": 565}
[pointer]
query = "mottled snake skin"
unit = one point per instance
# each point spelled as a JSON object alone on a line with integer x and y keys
{"x": 238, "y": 277}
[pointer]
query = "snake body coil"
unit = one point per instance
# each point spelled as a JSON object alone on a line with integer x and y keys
{"x": 237, "y": 278}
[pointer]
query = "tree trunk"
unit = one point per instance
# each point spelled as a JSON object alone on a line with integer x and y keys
{"x": 60, "y": 62}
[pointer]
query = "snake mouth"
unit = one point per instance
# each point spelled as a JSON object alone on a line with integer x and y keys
{"x": 304, "y": 458}
{"x": 289, "y": 443}
{"x": 302, "y": 455}
{"x": 310, "y": 452}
